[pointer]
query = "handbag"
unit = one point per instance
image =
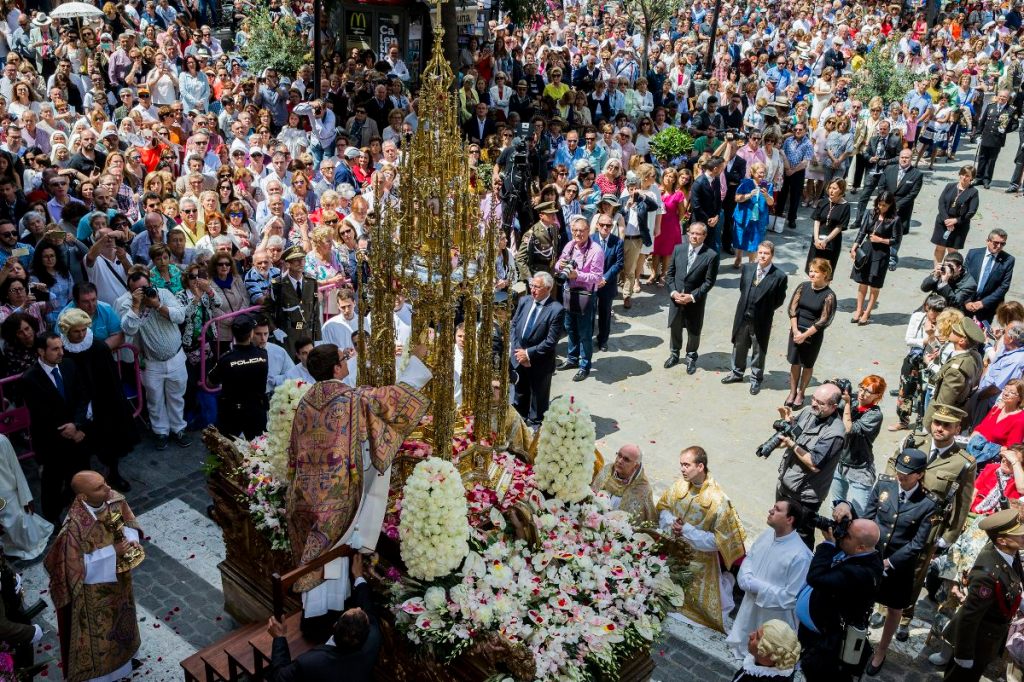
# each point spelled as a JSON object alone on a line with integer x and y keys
{"x": 862, "y": 253}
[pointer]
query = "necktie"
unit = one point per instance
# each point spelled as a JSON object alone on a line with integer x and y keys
{"x": 899, "y": 177}
{"x": 985, "y": 268}
{"x": 298, "y": 289}
{"x": 692, "y": 256}
{"x": 903, "y": 497}
{"x": 528, "y": 327}
{"x": 759, "y": 277}
{"x": 1017, "y": 568}
{"x": 932, "y": 455}
{"x": 58, "y": 380}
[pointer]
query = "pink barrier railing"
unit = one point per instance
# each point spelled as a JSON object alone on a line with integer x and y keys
{"x": 216, "y": 349}
{"x": 139, "y": 398}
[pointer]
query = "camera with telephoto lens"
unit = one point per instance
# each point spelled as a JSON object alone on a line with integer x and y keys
{"x": 840, "y": 529}
{"x": 783, "y": 429}
{"x": 149, "y": 291}
{"x": 561, "y": 275}
{"x": 844, "y": 385}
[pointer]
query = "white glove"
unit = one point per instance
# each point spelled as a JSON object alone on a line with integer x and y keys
{"x": 964, "y": 663}
{"x": 942, "y": 544}
{"x": 280, "y": 335}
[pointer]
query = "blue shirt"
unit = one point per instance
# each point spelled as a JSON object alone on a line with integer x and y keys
{"x": 26, "y": 261}
{"x": 797, "y": 151}
{"x": 1007, "y": 366}
{"x": 105, "y": 324}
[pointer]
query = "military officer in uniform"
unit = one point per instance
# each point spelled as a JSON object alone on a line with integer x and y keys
{"x": 996, "y": 120}
{"x": 294, "y": 302}
{"x": 538, "y": 250}
{"x": 904, "y": 511}
{"x": 948, "y": 464}
{"x": 978, "y": 629}
{"x": 242, "y": 376}
{"x": 959, "y": 375}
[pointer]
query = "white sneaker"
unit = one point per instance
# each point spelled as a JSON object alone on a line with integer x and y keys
{"x": 941, "y": 657}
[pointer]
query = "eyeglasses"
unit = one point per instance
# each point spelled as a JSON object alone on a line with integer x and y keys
{"x": 347, "y": 231}
{"x": 190, "y": 210}
{"x": 223, "y": 265}
{"x": 563, "y": 173}
{"x": 605, "y": 224}
{"x": 236, "y": 214}
{"x": 590, "y": 139}
{"x": 9, "y": 233}
{"x": 999, "y": 243}
{"x": 330, "y": 222}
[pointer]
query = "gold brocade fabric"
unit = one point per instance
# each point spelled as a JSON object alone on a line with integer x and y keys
{"x": 99, "y": 630}
{"x": 325, "y": 459}
{"x": 635, "y": 496}
{"x": 707, "y": 509}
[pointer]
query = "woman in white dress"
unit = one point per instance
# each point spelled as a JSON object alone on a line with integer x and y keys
{"x": 25, "y": 532}
{"x": 822, "y": 94}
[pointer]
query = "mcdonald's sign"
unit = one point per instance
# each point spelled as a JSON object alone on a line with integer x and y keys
{"x": 358, "y": 24}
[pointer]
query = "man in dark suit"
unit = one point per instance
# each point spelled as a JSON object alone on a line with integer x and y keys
{"x": 735, "y": 171}
{"x": 294, "y": 302}
{"x": 349, "y": 654}
{"x": 882, "y": 150}
{"x": 379, "y": 106}
{"x": 536, "y": 328}
{"x": 58, "y": 403}
{"x": 992, "y": 269}
{"x": 904, "y": 181}
{"x": 841, "y": 585}
{"x": 706, "y": 198}
{"x": 614, "y": 257}
{"x": 691, "y": 275}
{"x": 762, "y": 291}
{"x": 978, "y": 629}
{"x": 998, "y": 119}
{"x": 478, "y": 128}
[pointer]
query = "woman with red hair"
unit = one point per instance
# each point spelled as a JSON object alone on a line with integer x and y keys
{"x": 855, "y": 476}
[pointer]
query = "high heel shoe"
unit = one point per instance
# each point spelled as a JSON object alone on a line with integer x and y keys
{"x": 873, "y": 669}
{"x": 855, "y": 319}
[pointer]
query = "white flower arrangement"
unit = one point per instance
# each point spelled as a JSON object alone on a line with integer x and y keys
{"x": 434, "y": 531}
{"x": 264, "y": 492}
{"x": 564, "y": 465}
{"x": 283, "y": 405}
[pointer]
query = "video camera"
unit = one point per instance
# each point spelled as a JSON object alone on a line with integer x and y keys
{"x": 783, "y": 429}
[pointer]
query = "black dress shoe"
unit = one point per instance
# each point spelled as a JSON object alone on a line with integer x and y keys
{"x": 603, "y": 347}
{"x": 1011, "y": 189}
{"x": 873, "y": 669}
{"x": 988, "y": 185}
{"x": 581, "y": 375}
{"x": 732, "y": 378}
{"x": 672, "y": 361}
{"x": 691, "y": 365}
{"x": 902, "y": 633}
{"x": 755, "y": 387}
{"x": 791, "y": 226}
{"x": 568, "y": 364}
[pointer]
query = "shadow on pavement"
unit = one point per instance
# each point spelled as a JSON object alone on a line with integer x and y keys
{"x": 610, "y": 370}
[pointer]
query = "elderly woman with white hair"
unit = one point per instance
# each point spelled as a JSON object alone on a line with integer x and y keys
{"x": 773, "y": 651}
{"x": 113, "y": 425}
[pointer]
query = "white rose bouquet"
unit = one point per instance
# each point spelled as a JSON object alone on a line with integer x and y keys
{"x": 564, "y": 465}
{"x": 434, "y": 531}
{"x": 283, "y": 405}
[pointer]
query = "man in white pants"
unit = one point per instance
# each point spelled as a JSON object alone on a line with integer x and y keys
{"x": 152, "y": 317}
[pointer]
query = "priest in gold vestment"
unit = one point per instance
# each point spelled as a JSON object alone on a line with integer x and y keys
{"x": 343, "y": 441}
{"x": 626, "y": 483}
{"x": 698, "y": 510}
{"x": 96, "y": 623}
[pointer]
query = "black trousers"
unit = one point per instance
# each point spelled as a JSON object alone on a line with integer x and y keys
{"x": 871, "y": 183}
{"x": 860, "y": 167}
{"x": 792, "y": 191}
{"x": 693, "y": 328}
{"x": 604, "y": 315}
{"x": 55, "y": 479}
{"x": 248, "y": 421}
{"x": 728, "y": 206}
{"x": 988, "y": 643}
{"x": 819, "y": 656}
{"x": 746, "y": 341}
{"x": 532, "y": 393}
{"x": 987, "y": 162}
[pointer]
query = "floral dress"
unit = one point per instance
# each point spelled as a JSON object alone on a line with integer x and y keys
{"x": 198, "y": 311}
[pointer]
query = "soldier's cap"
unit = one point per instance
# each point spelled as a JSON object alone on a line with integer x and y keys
{"x": 967, "y": 328}
{"x": 911, "y": 461}
{"x": 293, "y": 252}
{"x": 1005, "y": 522}
{"x": 547, "y": 207}
{"x": 243, "y": 324}
{"x": 948, "y": 414}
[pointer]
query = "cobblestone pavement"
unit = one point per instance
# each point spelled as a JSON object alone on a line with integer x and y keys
{"x": 178, "y": 590}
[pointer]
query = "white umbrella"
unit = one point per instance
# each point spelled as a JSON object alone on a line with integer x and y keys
{"x": 76, "y": 10}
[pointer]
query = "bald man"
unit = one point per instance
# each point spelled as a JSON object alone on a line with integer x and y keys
{"x": 842, "y": 583}
{"x": 626, "y": 483}
{"x": 96, "y": 621}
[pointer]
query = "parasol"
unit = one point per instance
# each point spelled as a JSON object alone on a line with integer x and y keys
{"x": 76, "y": 10}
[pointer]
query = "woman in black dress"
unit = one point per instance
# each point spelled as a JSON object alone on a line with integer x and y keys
{"x": 831, "y": 217}
{"x": 773, "y": 653}
{"x": 957, "y": 205}
{"x": 876, "y": 235}
{"x": 811, "y": 310}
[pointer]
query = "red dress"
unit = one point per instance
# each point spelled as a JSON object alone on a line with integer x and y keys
{"x": 670, "y": 234}
{"x": 987, "y": 480}
{"x": 1005, "y": 432}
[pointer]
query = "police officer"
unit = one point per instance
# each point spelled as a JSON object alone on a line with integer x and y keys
{"x": 959, "y": 375}
{"x": 948, "y": 463}
{"x": 242, "y": 376}
{"x": 904, "y": 511}
{"x": 294, "y": 303}
{"x": 979, "y": 627}
{"x": 538, "y": 250}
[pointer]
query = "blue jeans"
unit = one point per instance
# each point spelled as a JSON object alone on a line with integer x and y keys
{"x": 319, "y": 152}
{"x": 856, "y": 494}
{"x": 580, "y": 328}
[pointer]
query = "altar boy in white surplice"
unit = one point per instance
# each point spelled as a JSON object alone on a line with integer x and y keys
{"x": 771, "y": 576}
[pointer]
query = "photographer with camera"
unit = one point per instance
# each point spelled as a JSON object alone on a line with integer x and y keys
{"x": 812, "y": 441}
{"x": 951, "y": 280}
{"x": 904, "y": 511}
{"x": 833, "y": 606}
{"x": 862, "y": 417}
{"x": 153, "y": 317}
{"x": 516, "y": 167}
{"x": 579, "y": 271}
{"x": 107, "y": 265}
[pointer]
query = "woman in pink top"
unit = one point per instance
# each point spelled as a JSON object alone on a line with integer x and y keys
{"x": 671, "y": 234}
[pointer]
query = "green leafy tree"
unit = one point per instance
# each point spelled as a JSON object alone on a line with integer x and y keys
{"x": 281, "y": 44}
{"x": 880, "y": 76}
{"x": 649, "y": 15}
